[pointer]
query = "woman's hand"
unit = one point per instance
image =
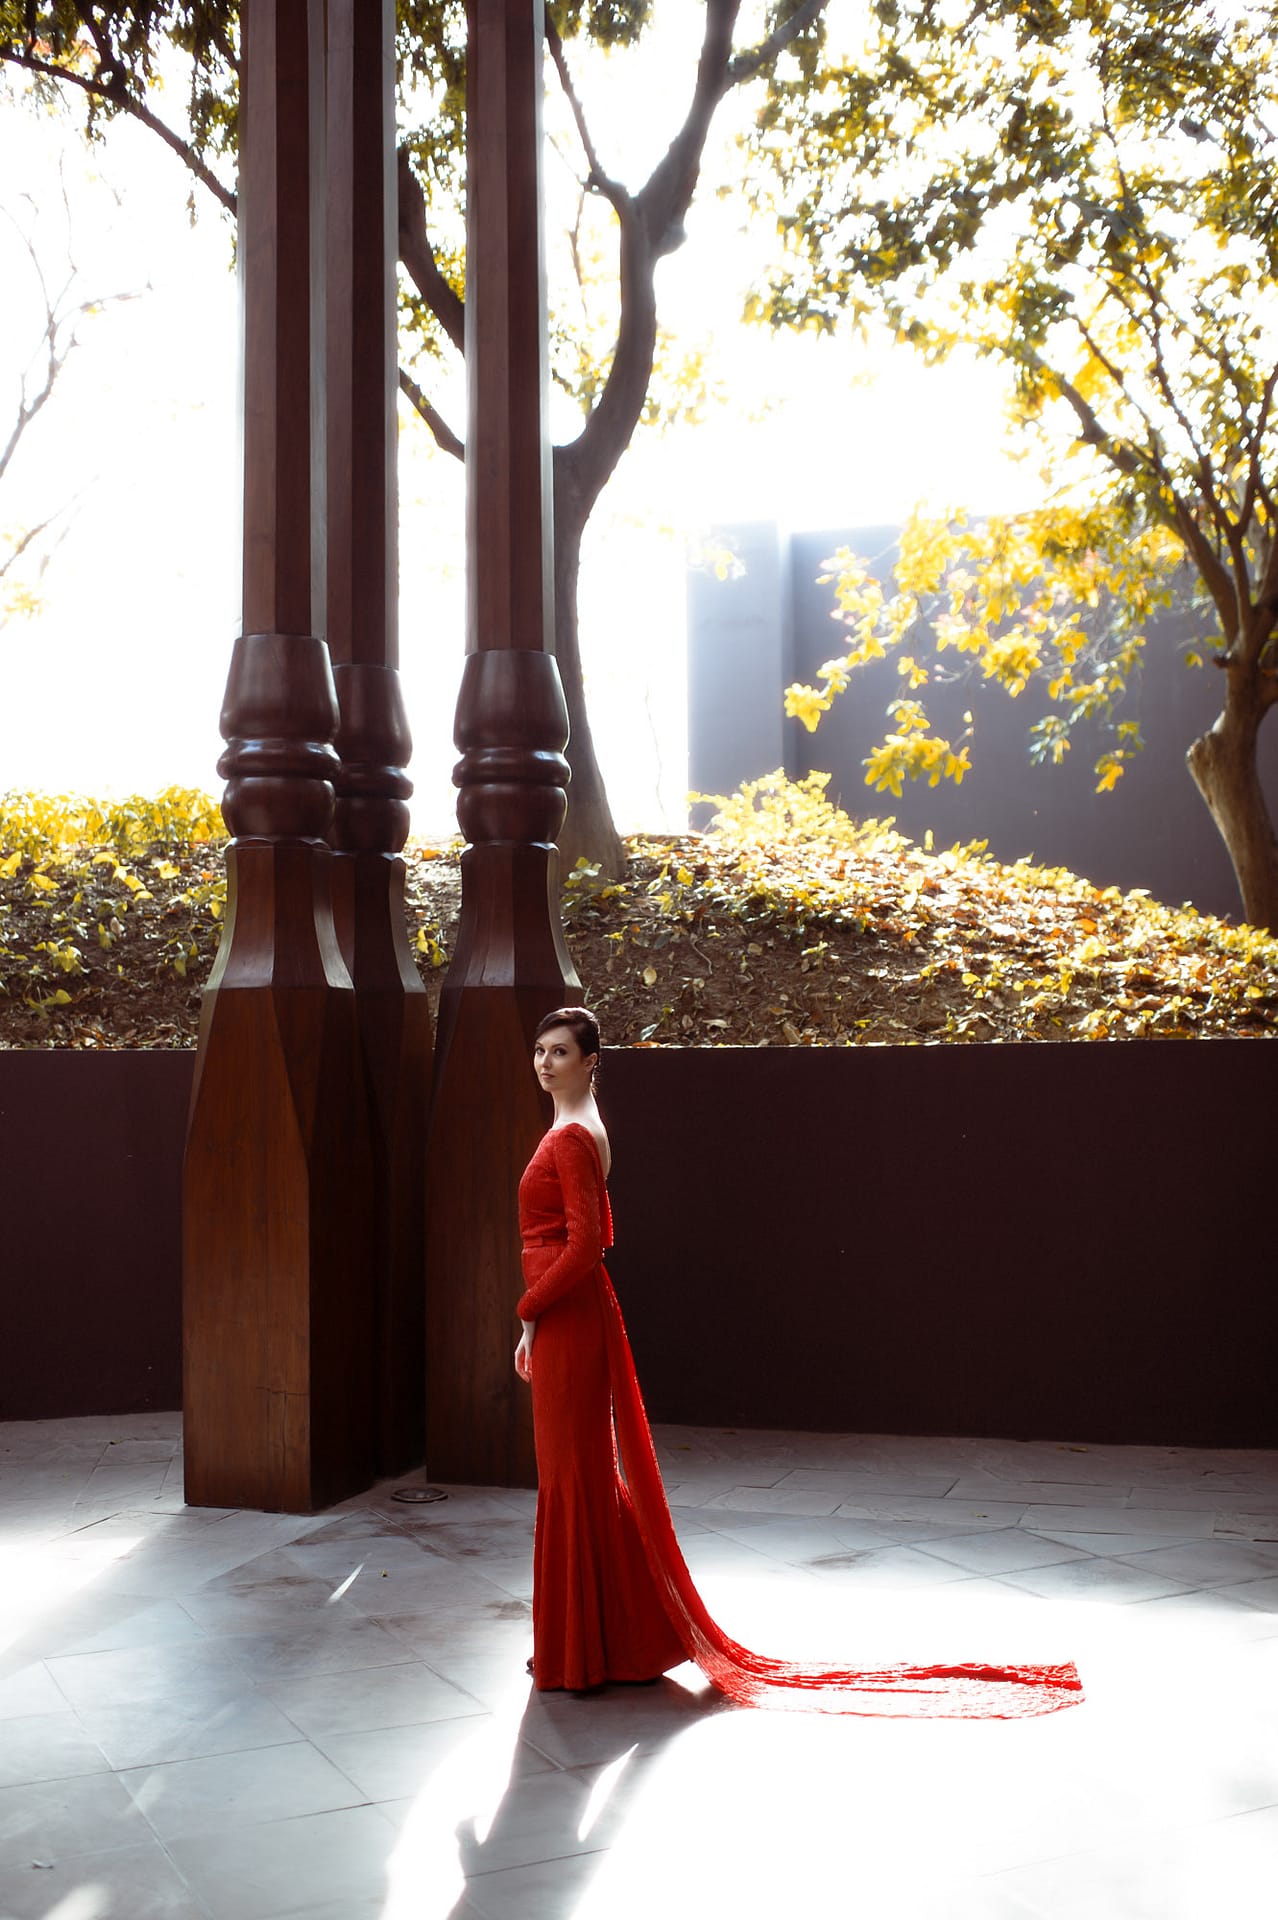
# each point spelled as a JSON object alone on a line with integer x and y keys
{"x": 523, "y": 1352}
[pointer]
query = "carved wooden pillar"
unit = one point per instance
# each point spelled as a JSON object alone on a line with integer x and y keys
{"x": 279, "y": 1351}
{"x": 511, "y": 965}
{"x": 373, "y": 742}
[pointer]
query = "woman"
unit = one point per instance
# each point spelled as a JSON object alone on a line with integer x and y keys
{"x": 612, "y": 1596}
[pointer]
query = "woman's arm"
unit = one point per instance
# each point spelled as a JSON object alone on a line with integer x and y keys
{"x": 523, "y": 1352}
{"x": 577, "y": 1165}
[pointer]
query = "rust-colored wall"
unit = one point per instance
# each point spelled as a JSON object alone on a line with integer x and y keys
{"x": 91, "y": 1286}
{"x": 1020, "y": 1241}
{"x": 1052, "y": 1241}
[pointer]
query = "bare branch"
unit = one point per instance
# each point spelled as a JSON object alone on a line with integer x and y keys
{"x": 443, "y": 433}
{"x": 127, "y": 103}
{"x": 597, "y": 179}
{"x": 58, "y": 339}
{"x": 24, "y": 540}
{"x": 418, "y": 256}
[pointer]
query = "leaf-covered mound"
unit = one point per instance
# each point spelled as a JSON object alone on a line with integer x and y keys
{"x": 787, "y": 924}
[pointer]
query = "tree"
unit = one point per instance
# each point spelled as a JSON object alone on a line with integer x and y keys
{"x": 59, "y": 310}
{"x": 111, "y": 50}
{"x": 1086, "y": 192}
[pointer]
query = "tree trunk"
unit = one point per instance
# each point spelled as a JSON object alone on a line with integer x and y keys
{"x": 588, "y": 832}
{"x": 1223, "y": 763}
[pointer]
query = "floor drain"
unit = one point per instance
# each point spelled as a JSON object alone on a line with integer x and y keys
{"x": 418, "y": 1496}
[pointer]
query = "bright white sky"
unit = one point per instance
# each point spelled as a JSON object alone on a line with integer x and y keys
{"x": 116, "y": 685}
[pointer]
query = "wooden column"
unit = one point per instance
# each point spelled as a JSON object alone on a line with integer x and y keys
{"x": 371, "y": 820}
{"x": 279, "y": 1353}
{"x": 511, "y": 965}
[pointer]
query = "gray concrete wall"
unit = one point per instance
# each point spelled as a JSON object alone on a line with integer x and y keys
{"x": 748, "y": 638}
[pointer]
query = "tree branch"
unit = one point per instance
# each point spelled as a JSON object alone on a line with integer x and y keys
{"x": 126, "y": 102}
{"x": 418, "y": 256}
{"x": 1126, "y": 460}
{"x": 746, "y": 65}
{"x": 56, "y": 342}
{"x": 443, "y": 433}
{"x": 596, "y": 179}
{"x": 651, "y": 226}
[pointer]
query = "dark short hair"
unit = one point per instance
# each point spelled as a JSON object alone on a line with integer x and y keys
{"x": 582, "y": 1025}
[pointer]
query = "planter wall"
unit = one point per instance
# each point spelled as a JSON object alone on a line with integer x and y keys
{"x": 1069, "y": 1242}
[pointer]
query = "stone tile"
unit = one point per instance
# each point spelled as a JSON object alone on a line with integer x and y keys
{"x": 1131, "y": 1761}
{"x": 47, "y": 1746}
{"x": 277, "y": 1572}
{"x": 142, "y": 1675}
{"x": 399, "y": 1576}
{"x": 1006, "y": 1551}
{"x": 359, "y": 1523}
{"x": 55, "y": 1819}
{"x": 395, "y": 1763}
{"x": 547, "y": 1891}
{"x": 896, "y": 1569}
{"x": 981, "y": 1515}
{"x": 369, "y": 1699}
{"x": 1207, "y": 1610}
{"x": 1211, "y": 1563}
{"x": 134, "y": 1882}
{"x": 1104, "y": 1580}
{"x": 1183, "y": 1523}
{"x": 982, "y": 1486}
{"x": 186, "y": 1727}
{"x": 1254, "y": 1593}
{"x": 235, "y": 1610}
{"x": 231, "y": 1791}
{"x": 773, "y": 1500}
{"x": 597, "y": 1729}
{"x": 340, "y": 1648}
{"x": 28, "y": 1687}
{"x": 128, "y": 1620}
{"x": 1249, "y": 1526}
{"x": 1196, "y": 1498}
{"x": 488, "y": 1826}
{"x": 1107, "y": 1546}
{"x": 849, "y": 1482}
{"x": 373, "y": 1909}
{"x": 283, "y": 1866}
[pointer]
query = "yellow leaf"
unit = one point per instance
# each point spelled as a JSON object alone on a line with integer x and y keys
{"x": 10, "y": 865}
{"x": 43, "y": 884}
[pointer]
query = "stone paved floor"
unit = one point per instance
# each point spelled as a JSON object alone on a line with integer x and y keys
{"x": 241, "y": 1716}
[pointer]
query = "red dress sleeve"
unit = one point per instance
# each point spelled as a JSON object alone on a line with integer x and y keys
{"x": 577, "y": 1164}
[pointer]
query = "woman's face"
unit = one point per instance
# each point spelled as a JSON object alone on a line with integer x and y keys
{"x": 560, "y": 1065}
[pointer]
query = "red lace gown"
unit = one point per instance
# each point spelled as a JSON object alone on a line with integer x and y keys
{"x": 612, "y": 1596}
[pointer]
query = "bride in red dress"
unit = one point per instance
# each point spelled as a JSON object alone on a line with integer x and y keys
{"x": 612, "y": 1596}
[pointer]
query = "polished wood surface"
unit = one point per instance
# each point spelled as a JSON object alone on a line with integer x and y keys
{"x": 374, "y": 744}
{"x": 510, "y": 567}
{"x": 280, "y": 1353}
{"x": 510, "y": 965}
